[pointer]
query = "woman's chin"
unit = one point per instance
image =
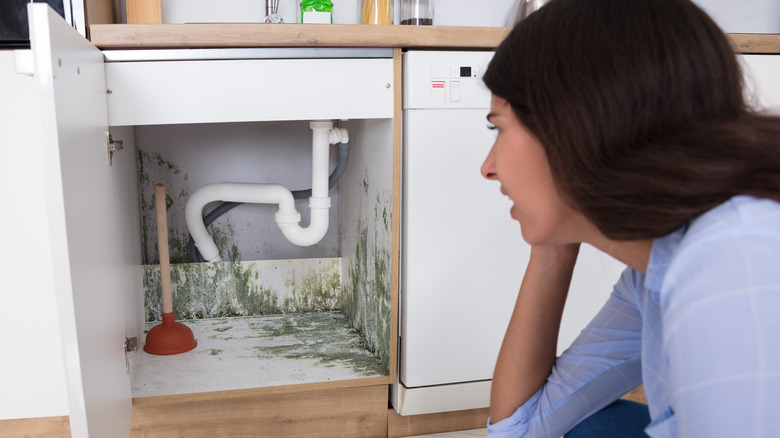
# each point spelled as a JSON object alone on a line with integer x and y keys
{"x": 513, "y": 213}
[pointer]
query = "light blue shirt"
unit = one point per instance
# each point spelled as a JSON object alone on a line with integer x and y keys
{"x": 700, "y": 330}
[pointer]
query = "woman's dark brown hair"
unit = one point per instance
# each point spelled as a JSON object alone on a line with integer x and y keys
{"x": 640, "y": 109}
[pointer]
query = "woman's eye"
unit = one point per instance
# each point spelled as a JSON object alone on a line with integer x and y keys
{"x": 491, "y": 126}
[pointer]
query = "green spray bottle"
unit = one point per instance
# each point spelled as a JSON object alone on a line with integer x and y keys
{"x": 317, "y": 11}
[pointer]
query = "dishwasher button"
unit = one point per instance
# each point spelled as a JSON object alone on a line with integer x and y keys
{"x": 438, "y": 93}
{"x": 455, "y": 91}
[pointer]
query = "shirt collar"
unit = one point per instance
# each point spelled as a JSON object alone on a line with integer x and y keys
{"x": 660, "y": 257}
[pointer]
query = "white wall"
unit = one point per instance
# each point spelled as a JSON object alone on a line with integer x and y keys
{"x": 32, "y": 372}
{"x": 250, "y": 11}
{"x": 448, "y": 12}
{"x": 491, "y": 13}
{"x": 744, "y": 16}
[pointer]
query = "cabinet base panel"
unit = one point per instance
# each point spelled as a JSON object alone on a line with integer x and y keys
{"x": 339, "y": 412}
{"x": 48, "y": 427}
{"x": 411, "y": 425}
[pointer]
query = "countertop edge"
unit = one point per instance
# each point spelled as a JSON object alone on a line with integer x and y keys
{"x": 234, "y": 35}
{"x": 213, "y": 35}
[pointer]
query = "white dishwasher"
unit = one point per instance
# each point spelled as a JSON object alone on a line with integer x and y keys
{"x": 463, "y": 257}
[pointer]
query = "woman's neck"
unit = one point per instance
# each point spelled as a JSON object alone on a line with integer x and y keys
{"x": 634, "y": 253}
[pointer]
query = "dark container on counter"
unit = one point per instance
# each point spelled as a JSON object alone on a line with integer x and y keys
{"x": 417, "y": 12}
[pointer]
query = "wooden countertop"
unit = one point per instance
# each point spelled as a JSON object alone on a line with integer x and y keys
{"x": 755, "y": 43}
{"x": 212, "y": 35}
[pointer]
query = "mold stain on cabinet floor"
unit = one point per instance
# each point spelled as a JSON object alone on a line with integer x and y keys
{"x": 258, "y": 324}
{"x": 259, "y": 351}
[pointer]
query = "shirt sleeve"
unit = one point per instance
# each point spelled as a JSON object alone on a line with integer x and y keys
{"x": 720, "y": 300}
{"x": 602, "y": 364}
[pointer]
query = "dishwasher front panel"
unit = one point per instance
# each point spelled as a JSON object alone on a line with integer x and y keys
{"x": 463, "y": 256}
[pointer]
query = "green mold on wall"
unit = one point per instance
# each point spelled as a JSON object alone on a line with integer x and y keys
{"x": 259, "y": 287}
{"x": 154, "y": 169}
{"x": 367, "y": 296}
{"x": 315, "y": 291}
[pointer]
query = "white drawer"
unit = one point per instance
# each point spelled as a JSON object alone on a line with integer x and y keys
{"x": 210, "y": 91}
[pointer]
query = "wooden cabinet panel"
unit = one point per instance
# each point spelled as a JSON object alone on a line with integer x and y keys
{"x": 342, "y": 413}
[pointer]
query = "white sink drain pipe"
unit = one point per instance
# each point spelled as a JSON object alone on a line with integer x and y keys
{"x": 287, "y": 217}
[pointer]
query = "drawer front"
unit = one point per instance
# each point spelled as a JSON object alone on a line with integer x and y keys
{"x": 211, "y": 91}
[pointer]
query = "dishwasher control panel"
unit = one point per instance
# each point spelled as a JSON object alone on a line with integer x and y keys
{"x": 440, "y": 79}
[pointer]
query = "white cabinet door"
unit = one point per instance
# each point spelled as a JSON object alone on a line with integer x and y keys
{"x": 88, "y": 250}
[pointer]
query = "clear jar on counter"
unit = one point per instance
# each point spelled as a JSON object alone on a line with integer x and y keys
{"x": 376, "y": 12}
{"x": 417, "y": 12}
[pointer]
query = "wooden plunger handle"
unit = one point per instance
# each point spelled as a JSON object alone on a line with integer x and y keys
{"x": 162, "y": 245}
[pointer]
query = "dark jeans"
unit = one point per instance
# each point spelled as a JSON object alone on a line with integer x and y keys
{"x": 621, "y": 419}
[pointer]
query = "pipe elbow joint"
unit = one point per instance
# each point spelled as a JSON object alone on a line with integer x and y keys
{"x": 193, "y": 211}
{"x": 287, "y": 219}
{"x": 318, "y": 226}
{"x": 338, "y": 135}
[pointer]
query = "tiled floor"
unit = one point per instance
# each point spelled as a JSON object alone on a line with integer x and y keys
{"x": 459, "y": 434}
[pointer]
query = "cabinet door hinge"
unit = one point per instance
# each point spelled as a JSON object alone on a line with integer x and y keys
{"x": 131, "y": 346}
{"x": 112, "y": 146}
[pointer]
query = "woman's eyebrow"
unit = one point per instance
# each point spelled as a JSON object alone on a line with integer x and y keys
{"x": 491, "y": 114}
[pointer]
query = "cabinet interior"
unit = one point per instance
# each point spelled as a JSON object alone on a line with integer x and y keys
{"x": 271, "y": 313}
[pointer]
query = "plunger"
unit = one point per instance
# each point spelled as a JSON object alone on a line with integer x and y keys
{"x": 169, "y": 337}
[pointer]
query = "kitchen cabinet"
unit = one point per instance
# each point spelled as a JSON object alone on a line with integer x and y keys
{"x": 90, "y": 239}
{"x": 91, "y": 200}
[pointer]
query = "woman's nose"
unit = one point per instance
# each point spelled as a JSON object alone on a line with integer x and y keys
{"x": 488, "y": 168}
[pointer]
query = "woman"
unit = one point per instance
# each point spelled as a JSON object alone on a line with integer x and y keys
{"x": 622, "y": 124}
